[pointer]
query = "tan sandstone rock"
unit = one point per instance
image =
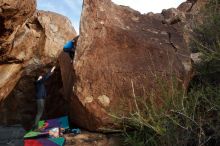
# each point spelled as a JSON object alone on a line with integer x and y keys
{"x": 34, "y": 43}
{"x": 39, "y": 41}
{"x": 13, "y": 14}
{"x": 120, "y": 54}
{"x": 121, "y": 51}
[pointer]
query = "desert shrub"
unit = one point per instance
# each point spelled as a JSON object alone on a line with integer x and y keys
{"x": 193, "y": 120}
{"x": 185, "y": 119}
{"x": 206, "y": 38}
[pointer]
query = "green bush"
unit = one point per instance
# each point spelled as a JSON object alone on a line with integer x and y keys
{"x": 193, "y": 120}
{"x": 206, "y": 38}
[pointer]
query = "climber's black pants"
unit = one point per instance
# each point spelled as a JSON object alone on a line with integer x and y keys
{"x": 40, "y": 110}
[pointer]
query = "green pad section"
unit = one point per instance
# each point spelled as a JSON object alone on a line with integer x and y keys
{"x": 31, "y": 134}
{"x": 41, "y": 123}
{"x": 60, "y": 140}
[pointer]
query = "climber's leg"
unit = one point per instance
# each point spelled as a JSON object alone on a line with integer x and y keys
{"x": 40, "y": 110}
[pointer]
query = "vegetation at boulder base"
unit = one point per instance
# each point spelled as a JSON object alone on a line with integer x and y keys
{"x": 191, "y": 119}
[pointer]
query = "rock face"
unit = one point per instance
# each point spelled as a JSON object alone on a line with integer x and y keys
{"x": 67, "y": 74}
{"x": 38, "y": 42}
{"x": 30, "y": 44}
{"x": 19, "y": 107}
{"x": 12, "y": 15}
{"x": 121, "y": 54}
{"x": 46, "y": 33}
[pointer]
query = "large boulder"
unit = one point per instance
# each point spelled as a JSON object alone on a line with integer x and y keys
{"x": 197, "y": 5}
{"x": 38, "y": 42}
{"x": 41, "y": 38}
{"x": 12, "y": 15}
{"x": 121, "y": 54}
{"x": 35, "y": 47}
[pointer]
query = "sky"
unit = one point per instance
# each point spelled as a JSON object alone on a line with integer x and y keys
{"x": 69, "y": 8}
{"x": 72, "y": 8}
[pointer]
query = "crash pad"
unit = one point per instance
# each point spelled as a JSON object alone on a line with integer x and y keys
{"x": 45, "y": 142}
{"x": 40, "y": 136}
{"x": 45, "y": 125}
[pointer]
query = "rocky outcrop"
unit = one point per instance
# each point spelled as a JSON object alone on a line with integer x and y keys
{"x": 46, "y": 33}
{"x": 30, "y": 45}
{"x": 12, "y": 15}
{"x": 121, "y": 54}
{"x": 192, "y": 6}
{"x": 38, "y": 42}
{"x": 67, "y": 74}
{"x": 19, "y": 107}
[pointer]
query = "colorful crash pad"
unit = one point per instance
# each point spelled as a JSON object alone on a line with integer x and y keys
{"x": 45, "y": 142}
{"x": 41, "y": 136}
{"x": 46, "y": 125}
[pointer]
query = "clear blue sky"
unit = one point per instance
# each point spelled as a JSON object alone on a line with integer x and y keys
{"x": 72, "y": 8}
{"x": 69, "y": 8}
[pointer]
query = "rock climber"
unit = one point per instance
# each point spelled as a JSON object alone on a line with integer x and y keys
{"x": 41, "y": 94}
{"x": 70, "y": 47}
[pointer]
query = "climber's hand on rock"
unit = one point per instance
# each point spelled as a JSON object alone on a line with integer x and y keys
{"x": 52, "y": 70}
